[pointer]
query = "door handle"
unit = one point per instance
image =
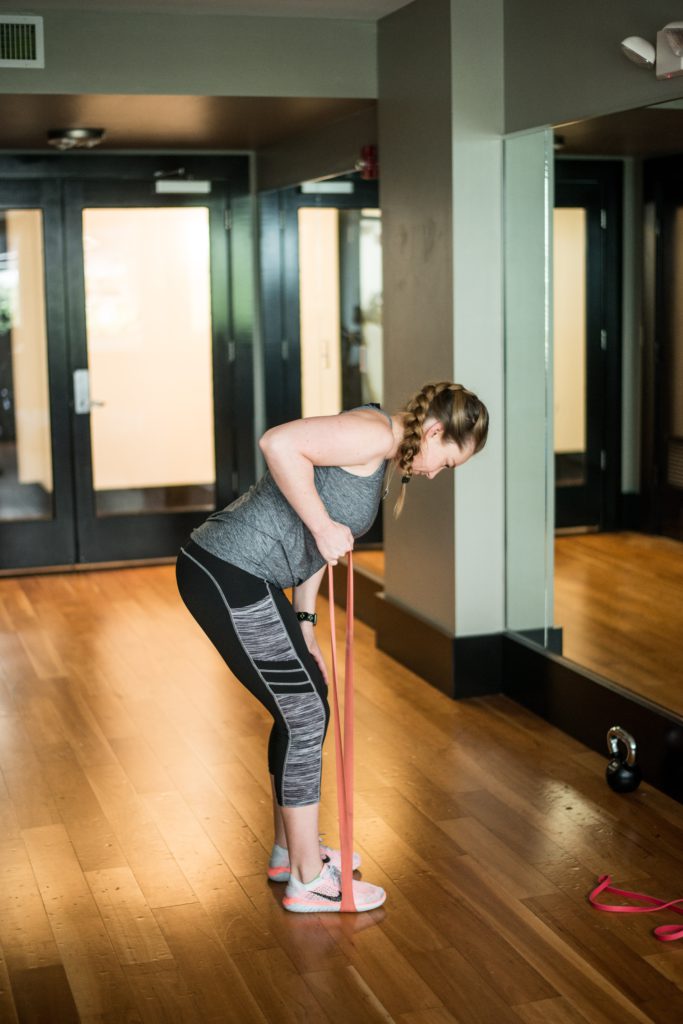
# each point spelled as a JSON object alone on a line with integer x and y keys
{"x": 82, "y": 401}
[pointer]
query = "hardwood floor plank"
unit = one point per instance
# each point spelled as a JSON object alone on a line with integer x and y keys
{"x": 95, "y": 977}
{"x": 43, "y": 994}
{"x": 509, "y": 975}
{"x": 551, "y": 1011}
{"x": 670, "y": 964}
{"x": 434, "y": 1015}
{"x": 278, "y": 987}
{"x": 549, "y": 954}
{"x": 25, "y": 933}
{"x": 161, "y": 993}
{"x": 155, "y": 869}
{"x": 8, "y": 1010}
{"x": 232, "y": 914}
{"x": 344, "y": 996}
{"x": 521, "y": 878}
{"x": 385, "y": 970}
{"x": 130, "y": 924}
{"x": 217, "y": 987}
{"x": 32, "y": 800}
{"x": 602, "y": 948}
{"x": 462, "y": 989}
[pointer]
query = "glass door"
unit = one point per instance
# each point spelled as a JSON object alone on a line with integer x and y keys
{"x": 36, "y": 483}
{"x": 579, "y": 370}
{"x": 148, "y": 281}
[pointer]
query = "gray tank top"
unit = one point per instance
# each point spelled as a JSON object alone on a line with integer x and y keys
{"x": 261, "y": 533}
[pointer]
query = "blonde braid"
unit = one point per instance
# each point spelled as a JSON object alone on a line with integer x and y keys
{"x": 417, "y": 410}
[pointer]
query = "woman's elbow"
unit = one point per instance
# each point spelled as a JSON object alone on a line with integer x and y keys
{"x": 266, "y": 440}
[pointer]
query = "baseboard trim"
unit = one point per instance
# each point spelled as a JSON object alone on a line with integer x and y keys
{"x": 460, "y": 667}
{"x": 421, "y": 646}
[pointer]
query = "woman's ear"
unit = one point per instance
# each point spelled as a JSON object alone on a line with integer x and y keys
{"x": 434, "y": 430}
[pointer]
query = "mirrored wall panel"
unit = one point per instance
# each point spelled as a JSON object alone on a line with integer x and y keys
{"x": 340, "y": 296}
{"x": 528, "y": 177}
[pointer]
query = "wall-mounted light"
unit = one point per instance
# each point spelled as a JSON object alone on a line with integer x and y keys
{"x": 75, "y": 138}
{"x": 639, "y": 51}
{"x": 666, "y": 57}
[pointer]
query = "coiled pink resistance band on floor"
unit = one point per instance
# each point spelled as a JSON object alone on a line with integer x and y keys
{"x": 344, "y": 753}
{"x": 664, "y": 932}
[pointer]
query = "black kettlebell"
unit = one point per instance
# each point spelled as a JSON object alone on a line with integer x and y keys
{"x": 623, "y": 774}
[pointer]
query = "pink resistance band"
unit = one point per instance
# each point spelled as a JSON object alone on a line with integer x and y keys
{"x": 664, "y": 932}
{"x": 344, "y": 754}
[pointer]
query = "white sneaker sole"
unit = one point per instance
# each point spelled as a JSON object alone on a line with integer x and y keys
{"x": 325, "y": 908}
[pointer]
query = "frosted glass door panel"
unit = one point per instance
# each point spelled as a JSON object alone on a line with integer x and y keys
{"x": 148, "y": 316}
{"x": 569, "y": 320}
{"x": 26, "y": 482}
{"x": 321, "y": 383}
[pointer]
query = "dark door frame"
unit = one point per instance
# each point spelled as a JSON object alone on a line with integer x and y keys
{"x": 51, "y": 541}
{"x": 232, "y": 357}
{"x": 598, "y": 185}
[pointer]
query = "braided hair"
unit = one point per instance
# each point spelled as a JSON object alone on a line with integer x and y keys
{"x": 463, "y": 416}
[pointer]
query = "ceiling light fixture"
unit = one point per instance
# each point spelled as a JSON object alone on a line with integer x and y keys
{"x": 75, "y": 138}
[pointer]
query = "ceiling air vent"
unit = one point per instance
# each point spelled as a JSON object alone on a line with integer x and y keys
{"x": 21, "y": 41}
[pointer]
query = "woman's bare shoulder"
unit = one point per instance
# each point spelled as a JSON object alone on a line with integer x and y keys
{"x": 352, "y": 440}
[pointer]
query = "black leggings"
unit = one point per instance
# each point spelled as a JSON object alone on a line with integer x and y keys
{"x": 255, "y": 630}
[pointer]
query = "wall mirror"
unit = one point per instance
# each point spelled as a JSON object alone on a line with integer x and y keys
{"x": 594, "y": 364}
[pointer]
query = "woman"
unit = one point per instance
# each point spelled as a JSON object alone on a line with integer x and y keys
{"x": 322, "y": 489}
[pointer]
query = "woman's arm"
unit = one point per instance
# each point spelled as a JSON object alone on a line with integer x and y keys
{"x": 304, "y": 596}
{"x": 293, "y": 449}
{"x": 303, "y": 600}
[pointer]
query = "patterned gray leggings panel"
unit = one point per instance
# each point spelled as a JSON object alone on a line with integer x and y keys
{"x": 254, "y": 628}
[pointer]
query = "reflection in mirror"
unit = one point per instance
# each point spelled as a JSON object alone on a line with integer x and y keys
{"x": 340, "y": 292}
{"x": 617, "y": 395}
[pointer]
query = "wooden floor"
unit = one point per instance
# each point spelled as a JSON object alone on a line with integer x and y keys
{"x": 136, "y": 829}
{"x": 619, "y": 601}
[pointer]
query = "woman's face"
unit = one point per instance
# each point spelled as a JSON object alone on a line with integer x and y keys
{"x": 435, "y": 454}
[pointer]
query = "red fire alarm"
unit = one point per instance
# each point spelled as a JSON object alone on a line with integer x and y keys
{"x": 367, "y": 164}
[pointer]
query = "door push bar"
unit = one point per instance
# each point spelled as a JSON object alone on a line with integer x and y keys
{"x": 83, "y": 403}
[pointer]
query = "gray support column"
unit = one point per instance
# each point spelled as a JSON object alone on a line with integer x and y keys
{"x": 417, "y": 223}
{"x": 440, "y": 124}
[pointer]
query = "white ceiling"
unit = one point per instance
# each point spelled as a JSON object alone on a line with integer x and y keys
{"x": 360, "y": 10}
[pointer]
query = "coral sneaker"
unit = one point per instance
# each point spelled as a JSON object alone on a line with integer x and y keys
{"x": 278, "y": 865}
{"x": 324, "y": 893}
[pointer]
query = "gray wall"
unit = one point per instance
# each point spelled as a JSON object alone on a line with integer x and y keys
{"x": 563, "y": 61}
{"x": 212, "y": 55}
{"x": 415, "y": 143}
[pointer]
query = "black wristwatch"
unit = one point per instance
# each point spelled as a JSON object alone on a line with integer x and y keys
{"x": 307, "y": 617}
